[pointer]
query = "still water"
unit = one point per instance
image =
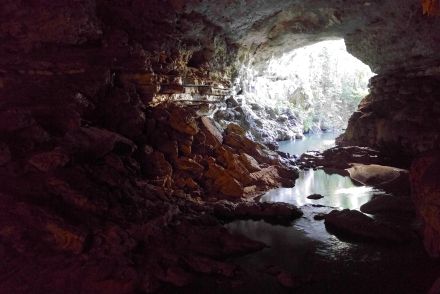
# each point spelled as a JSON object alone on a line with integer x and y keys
{"x": 311, "y": 142}
{"x": 306, "y": 248}
{"x": 338, "y": 191}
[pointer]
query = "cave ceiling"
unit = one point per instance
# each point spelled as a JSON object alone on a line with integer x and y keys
{"x": 386, "y": 34}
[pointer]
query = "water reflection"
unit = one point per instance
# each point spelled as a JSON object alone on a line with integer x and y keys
{"x": 312, "y": 142}
{"x": 338, "y": 191}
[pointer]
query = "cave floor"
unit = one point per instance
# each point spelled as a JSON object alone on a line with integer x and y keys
{"x": 321, "y": 263}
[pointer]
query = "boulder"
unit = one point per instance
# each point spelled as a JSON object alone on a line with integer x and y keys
{"x": 222, "y": 180}
{"x": 315, "y": 196}
{"x": 214, "y": 137}
{"x": 391, "y": 179}
{"x": 233, "y": 165}
{"x": 387, "y": 203}
{"x": 249, "y": 162}
{"x": 278, "y": 212}
{"x": 355, "y": 225}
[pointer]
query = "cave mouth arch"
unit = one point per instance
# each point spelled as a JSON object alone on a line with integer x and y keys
{"x": 309, "y": 89}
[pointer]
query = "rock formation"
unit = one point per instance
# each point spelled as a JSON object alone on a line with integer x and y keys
{"x": 110, "y": 165}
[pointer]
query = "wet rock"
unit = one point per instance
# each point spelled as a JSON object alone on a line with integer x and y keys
{"x": 386, "y": 203}
{"x": 320, "y": 216}
{"x": 315, "y": 197}
{"x": 339, "y": 158}
{"x": 391, "y": 179}
{"x": 280, "y": 213}
{"x": 354, "y": 224}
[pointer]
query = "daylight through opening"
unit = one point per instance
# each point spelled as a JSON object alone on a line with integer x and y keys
{"x": 311, "y": 89}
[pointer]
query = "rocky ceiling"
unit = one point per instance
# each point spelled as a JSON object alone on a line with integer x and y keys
{"x": 387, "y": 35}
{"x": 384, "y": 34}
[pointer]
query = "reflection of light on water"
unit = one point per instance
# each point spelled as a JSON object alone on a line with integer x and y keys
{"x": 328, "y": 142}
{"x": 338, "y": 191}
{"x": 354, "y": 190}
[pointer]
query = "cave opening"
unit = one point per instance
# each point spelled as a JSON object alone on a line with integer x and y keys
{"x": 137, "y": 155}
{"x": 308, "y": 90}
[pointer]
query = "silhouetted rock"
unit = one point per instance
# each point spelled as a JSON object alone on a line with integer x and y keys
{"x": 278, "y": 212}
{"x": 425, "y": 172}
{"x": 354, "y": 224}
{"x": 383, "y": 204}
{"x": 315, "y": 196}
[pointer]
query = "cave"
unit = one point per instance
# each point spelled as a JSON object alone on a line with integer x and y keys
{"x": 130, "y": 163}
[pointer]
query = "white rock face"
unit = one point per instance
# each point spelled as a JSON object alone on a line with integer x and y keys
{"x": 313, "y": 88}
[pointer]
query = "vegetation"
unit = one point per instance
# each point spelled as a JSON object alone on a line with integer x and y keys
{"x": 322, "y": 83}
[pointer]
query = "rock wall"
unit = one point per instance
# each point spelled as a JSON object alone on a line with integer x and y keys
{"x": 400, "y": 116}
{"x": 425, "y": 174}
{"x": 103, "y": 181}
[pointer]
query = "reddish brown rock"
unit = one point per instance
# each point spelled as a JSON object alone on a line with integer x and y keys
{"x": 189, "y": 165}
{"x": 249, "y": 162}
{"x": 48, "y": 161}
{"x": 425, "y": 185}
{"x": 214, "y": 138}
{"x": 233, "y": 165}
{"x": 183, "y": 121}
{"x": 223, "y": 181}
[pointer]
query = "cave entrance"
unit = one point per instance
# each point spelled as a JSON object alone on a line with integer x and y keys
{"x": 312, "y": 89}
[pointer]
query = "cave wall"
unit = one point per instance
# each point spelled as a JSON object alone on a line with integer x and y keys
{"x": 400, "y": 116}
{"x": 86, "y": 201}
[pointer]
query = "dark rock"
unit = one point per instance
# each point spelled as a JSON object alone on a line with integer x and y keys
{"x": 383, "y": 204}
{"x": 390, "y": 179}
{"x": 315, "y": 196}
{"x": 96, "y": 142}
{"x": 319, "y": 216}
{"x": 354, "y": 224}
{"x": 281, "y": 213}
{"x": 425, "y": 172}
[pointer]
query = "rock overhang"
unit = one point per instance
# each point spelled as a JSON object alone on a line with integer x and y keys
{"x": 387, "y": 35}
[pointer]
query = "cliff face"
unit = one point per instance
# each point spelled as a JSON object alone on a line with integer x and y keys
{"x": 101, "y": 189}
{"x": 400, "y": 115}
